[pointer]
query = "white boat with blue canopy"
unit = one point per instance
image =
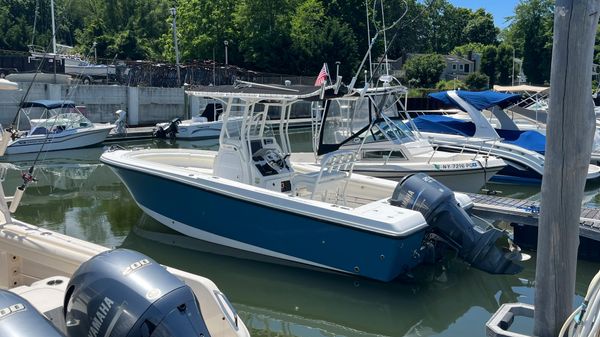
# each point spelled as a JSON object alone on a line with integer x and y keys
{"x": 523, "y": 150}
{"x": 51, "y": 125}
{"x": 249, "y": 196}
{"x": 367, "y": 122}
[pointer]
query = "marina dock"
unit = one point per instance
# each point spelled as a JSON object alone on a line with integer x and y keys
{"x": 523, "y": 215}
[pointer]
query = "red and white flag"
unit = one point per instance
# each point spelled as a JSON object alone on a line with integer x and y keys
{"x": 322, "y": 77}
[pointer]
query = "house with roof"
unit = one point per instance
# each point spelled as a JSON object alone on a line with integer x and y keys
{"x": 457, "y": 67}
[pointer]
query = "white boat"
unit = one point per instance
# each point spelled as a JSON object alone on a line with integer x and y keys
{"x": 38, "y": 77}
{"x": 522, "y": 150}
{"x": 42, "y": 270}
{"x": 389, "y": 149}
{"x": 8, "y": 85}
{"x": 249, "y": 196}
{"x": 203, "y": 126}
{"x": 54, "y": 125}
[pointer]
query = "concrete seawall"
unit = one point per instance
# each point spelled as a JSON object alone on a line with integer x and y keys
{"x": 144, "y": 105}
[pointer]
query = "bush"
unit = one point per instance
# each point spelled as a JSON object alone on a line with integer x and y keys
{"x": 425, "y": 69}
{"x": 450, "y": 85}
{"x": 477, "y": 81}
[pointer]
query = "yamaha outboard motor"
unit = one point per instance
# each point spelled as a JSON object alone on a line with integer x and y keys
{"x": 170, "y": 131}
{"x": 19, "y": 318}
{"x": 438, "y": 205}
{"x": 123, "y": 293}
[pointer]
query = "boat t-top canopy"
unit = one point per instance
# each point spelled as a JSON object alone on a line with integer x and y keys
{"x": 520, "y": 88}
{"x": 48, "y": 104}
{"x": 249, "y": 91}
{"x": 478, "y": 99}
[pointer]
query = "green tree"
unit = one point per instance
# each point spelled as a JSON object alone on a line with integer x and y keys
{"x": 481, "y": 29}
{"x": 263, "y": 28}
{"x": 477, "y": 81}
{"x": 488, "y": 63}
{"x": 445, "y": 25}
{"x": 530, "y": 32}
{"x": 426, "y": 69}
{"x": 317, "y": 39}
{"x": 504, "y": 64}
{"x": 124, "y": 28}
{"x": 203, "y": 26}
{"x": 464, "y": 50}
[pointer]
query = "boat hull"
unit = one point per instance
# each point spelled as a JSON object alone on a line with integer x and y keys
{"x": 59, "y": 141}
{"x": 468, "y": 180}
{"x": 523, "y": 166}
{"x": 200, "y": 131}
{"x": 254, "y": 226}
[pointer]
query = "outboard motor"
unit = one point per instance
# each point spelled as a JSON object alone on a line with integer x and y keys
{"x": 438, "y": 205}
{"x": 170, "y": 131}
{"x": 123, "y": 293}
{"x": 19, "y": 318}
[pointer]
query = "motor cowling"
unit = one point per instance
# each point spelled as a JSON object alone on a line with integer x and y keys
{"x": 438, "y": 205}
{"x": 19, "y": 318}
{"x": 123, "y": 293}
{"x": 169, "y": 131}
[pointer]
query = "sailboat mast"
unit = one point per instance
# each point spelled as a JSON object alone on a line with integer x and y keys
{"x": 53, "y": 27}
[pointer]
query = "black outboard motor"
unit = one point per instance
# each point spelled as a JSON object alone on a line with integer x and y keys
{"x": 436, "y": 202}
{"x": 123, "y": 293}
{"x": 19, "y": 318}
{"x": 170, "y": 131}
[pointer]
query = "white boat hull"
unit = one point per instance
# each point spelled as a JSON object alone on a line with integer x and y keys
{"x": 60, "y": 141}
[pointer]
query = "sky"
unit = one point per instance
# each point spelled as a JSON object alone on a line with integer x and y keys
{"x": 500, "y": 9}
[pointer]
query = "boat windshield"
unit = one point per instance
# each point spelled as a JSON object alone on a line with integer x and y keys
{"x": 348, "y": 117}
{"x": 62, "y": 122}
{"x": 387, "y": 130}
{"x": 345, "y": 117}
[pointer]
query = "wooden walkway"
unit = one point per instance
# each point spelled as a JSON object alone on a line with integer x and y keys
{"x": 526, "y": 212}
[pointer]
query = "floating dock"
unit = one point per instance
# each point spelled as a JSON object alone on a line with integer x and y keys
{"x": 136, "y": 133}
{"x": 523, "y": 215}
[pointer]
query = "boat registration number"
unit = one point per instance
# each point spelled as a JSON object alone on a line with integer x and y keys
{"x": 456, "y": 166}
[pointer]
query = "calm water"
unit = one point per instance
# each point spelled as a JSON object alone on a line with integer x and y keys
{"x": 77, "y": 195}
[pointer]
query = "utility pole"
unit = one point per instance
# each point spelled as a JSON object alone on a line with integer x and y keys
{"x": 53, "y": 28}
{"x": 570, "y": 130}
{"x": 512, "y": 79}
{"x": 226, "y": 59}
{"x": 174, "y": 13}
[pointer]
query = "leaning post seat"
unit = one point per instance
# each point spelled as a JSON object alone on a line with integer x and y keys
{"x": 335, "y": 166}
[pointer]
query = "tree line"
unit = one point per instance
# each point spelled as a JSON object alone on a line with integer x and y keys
{"x": 285, "y": 36}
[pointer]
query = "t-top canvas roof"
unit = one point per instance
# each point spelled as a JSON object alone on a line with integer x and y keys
{"x": 256, "y": 91}
{"x": 478, "y": 99}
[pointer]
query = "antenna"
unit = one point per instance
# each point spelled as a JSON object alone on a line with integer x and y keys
{"x": 369, "y": 37}
{"x": 387, "y": 66}
{"x": 371, "y": 44}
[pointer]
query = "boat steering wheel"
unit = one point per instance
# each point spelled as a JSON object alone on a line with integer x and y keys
{"x": 274, "y": 159}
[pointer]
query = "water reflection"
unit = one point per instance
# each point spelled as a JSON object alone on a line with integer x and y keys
{"x": 286, "y": 300}
{"x": 74, "y": 194}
